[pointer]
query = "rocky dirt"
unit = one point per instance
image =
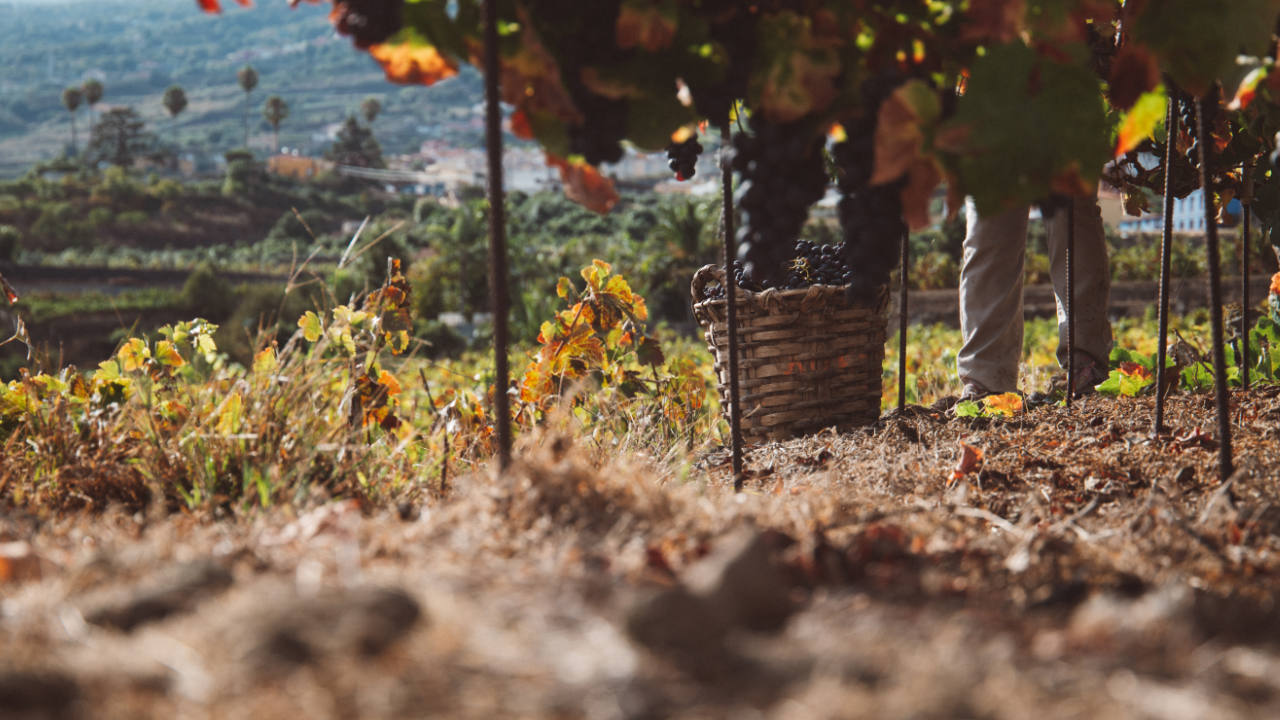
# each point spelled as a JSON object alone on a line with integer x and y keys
{"x": 1078, "y": 569}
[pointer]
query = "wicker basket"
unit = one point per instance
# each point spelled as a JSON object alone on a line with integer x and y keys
{"x": 807, "y": 359}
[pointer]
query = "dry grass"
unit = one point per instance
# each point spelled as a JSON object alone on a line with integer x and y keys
{"x": 1083, "y": 571}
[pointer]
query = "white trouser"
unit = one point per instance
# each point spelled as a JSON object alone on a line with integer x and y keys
{"x": 991, "y": 321}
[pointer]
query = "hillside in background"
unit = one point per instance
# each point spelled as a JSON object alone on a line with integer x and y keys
{"x": 137, "y": 48}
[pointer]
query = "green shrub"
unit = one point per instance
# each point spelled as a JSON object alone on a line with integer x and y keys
{"x": 101, "y": 217}
{"x": 9, "y": 239}
{"x": 131, "y": 219}
{"x": 207, "y": 294}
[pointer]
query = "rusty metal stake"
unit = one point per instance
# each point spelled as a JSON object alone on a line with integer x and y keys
{"x": 498, "y": 295}
{"x": 1246, "y": 201}
{"x": 1215, "y": 299}
{"x": 902, "y": 319}
{"x": 1166, "y": 242}
{"x": 731, "y": 299}
{"x": 1071, "y": 299}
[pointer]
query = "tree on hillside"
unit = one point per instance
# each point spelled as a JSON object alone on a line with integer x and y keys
{"x": 175, "y": 101}
{"x": 355, "y": 145}
{"x": 370, "y": 109}
{"x": 274, "y": 112}
{"x": 93, "y": 90}
{"x": 71, "y": 98}
{"x": 248, "y": 78}
{"x": 120, "y": 137}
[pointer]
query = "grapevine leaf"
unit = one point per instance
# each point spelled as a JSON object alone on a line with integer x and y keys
{"x": 564, "y": 288}
{"x": 1248, "y": 89}
{"x": 923, "y": 178}
{"x": 167, "y": 354}
{"x": 1034, "y": 125}
{"x": 585, "y": 185}
{"x": 970, "y": 461}
{"x": 133, "y": 354}
{"x": 413, "y": 64}
{"x": 1134, "y": 72}
{"x": 968, "y": 409}
{"x": 797, "y": 71}
{"x": 520, "y": 125}
{"x": 1197, "y": 42}
{"x": 650, "y": 352}
{"x": 229, "y": 415}
{"x": 311, "y": 326}
{"x": 264, "y": 362}
{"x": 9, "y": 293}
{"x": 213, "y": 6}
{"x": 1005, "y": 404}
{"x": 645, "y": 24}
{"x": 994, "y": 21}
{"x": 899, "y": 133}
{"x": 1141, "y": 121}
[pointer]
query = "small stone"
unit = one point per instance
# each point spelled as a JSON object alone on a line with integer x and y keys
{"x": 300, "y": 631}
{"x": 674, "y": 619}
{"x": 743, "y": 579}
{"x": 37, "y": 694}
{"x": 177, "y": 591}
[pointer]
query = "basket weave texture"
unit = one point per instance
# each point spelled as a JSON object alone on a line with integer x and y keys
{"x": 808, "y": 359}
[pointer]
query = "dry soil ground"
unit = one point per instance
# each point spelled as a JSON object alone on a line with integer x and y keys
{"x": 1082, "y": 570}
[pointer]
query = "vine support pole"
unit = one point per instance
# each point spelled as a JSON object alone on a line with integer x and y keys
{"x": 1215, "y": 298}
{"x": 1166, "y": 241}
{"x": 1246, "y": 202}
{"x": 498, "y": 292}
{"x": 731, "y": 299}
{"x": 902, "y": 319}
{"x": 1071, "y": 300}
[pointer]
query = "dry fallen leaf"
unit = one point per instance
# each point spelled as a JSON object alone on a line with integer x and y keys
{"x": 970, "y": 460}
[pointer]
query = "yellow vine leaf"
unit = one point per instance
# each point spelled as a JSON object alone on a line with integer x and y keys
{"x": 311, "y": 327}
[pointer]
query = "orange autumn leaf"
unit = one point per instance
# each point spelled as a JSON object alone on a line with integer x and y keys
{"x": 585, "y": 185}
{"x": 411, "y": 64}
{"x": 1275, "y": 284}
{"x": 520, "y": 126}
{"x": 212, "y": 6}
{"x": 1007, "y": 404}
{"x": 1134, "y": 370}
{"x": 970, "y": 460}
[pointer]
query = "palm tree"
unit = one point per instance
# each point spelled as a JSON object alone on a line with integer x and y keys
{"x": 71, "y": 98}
{"x": 92, "y": 94}
{"x": 248, "y": 78}
{"x": 175, "y": 101}
{"x": 274, "y": 112}
{"x": 370, "y": 109}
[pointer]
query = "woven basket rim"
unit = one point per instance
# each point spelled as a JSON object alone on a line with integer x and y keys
{"x": 810, "y": 298}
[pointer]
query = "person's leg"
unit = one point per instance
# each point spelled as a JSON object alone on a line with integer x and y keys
{"x": 1092, "y": 284}
{"x": 991, "y": 299}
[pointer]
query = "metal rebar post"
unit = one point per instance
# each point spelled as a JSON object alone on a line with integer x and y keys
{"x": 1215, "y": 299}
{"x": 731, "y": 300}
{"x": 498, "y": 292}
{"x": 1071, "y": 299}
{"x": 1166, "y": 241}
{"x": 902, "y": 319}
{"x": 1246, "y": 202}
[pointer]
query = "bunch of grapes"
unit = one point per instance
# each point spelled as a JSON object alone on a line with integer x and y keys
{"x": 870, "y": 215}
{"x": 812, "y": 264}
{"x": 368, "y": 22}
{"x": 783, "y": 174}
{"x": 682, "y": 158}
{"x": 583, "y": 35}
